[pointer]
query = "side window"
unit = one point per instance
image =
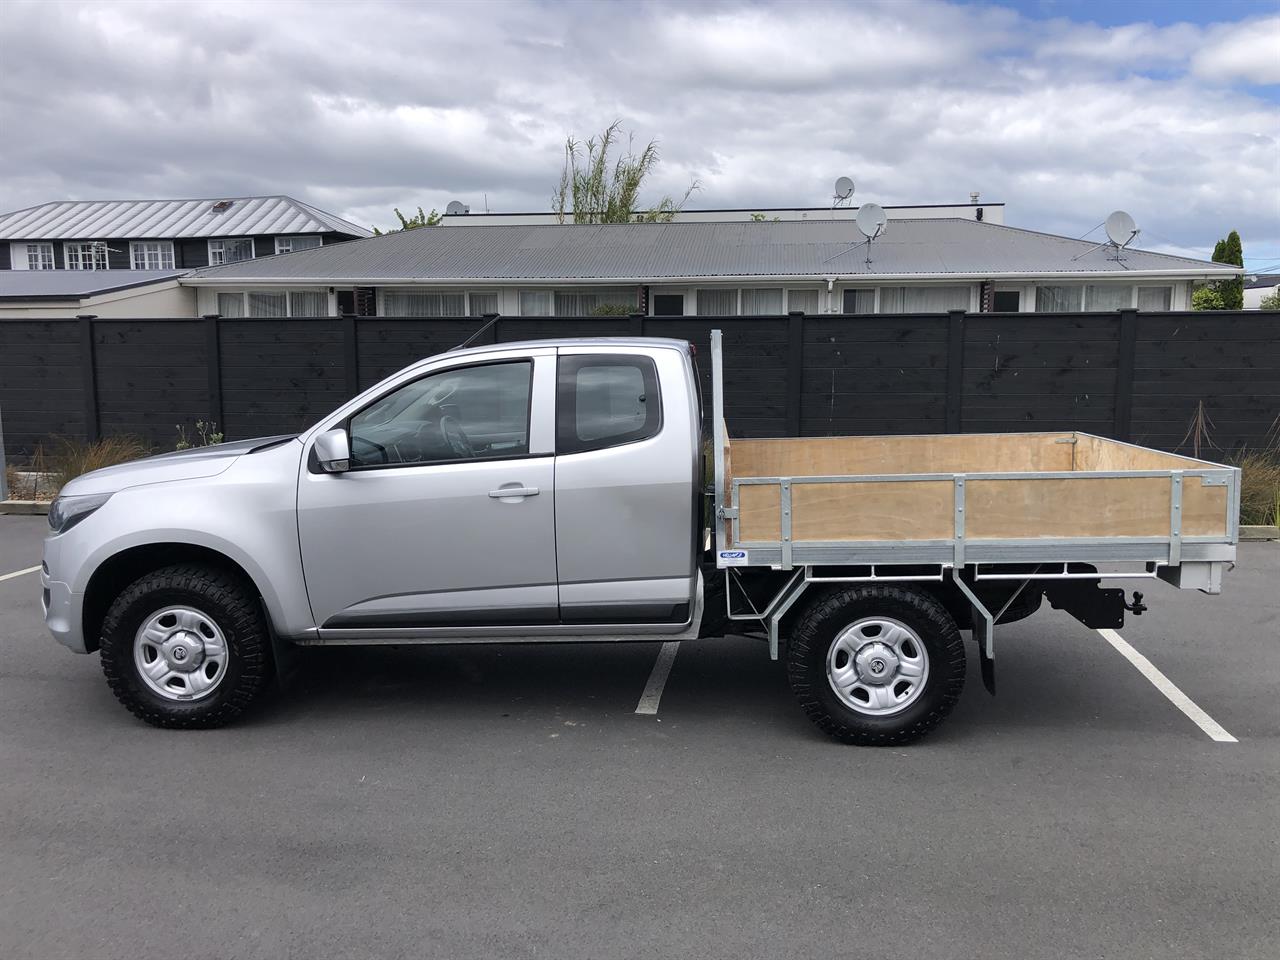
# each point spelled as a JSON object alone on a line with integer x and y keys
{"x": 470, "y": 413}
{"x": 604, "y": 401}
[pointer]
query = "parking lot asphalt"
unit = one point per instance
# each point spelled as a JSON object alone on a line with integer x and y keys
{"x": 508, "y": 801}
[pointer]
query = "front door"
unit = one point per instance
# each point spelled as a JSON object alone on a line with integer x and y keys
{"x": 447, "y": 515}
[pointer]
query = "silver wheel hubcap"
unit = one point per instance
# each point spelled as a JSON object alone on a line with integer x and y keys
{"x": 180, "y": 653}
{"x": 877, "y": 666}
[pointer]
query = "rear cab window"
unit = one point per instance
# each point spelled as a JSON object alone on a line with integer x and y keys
{"x": 605, "y": 400}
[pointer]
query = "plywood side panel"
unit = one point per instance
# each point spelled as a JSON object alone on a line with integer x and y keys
{"x": 1100, "y": 454}
{"x": 1072, "y": 507}
{"x": 1204, "y": 509}
{"x": 943, "y": 453}
{"x": 759, "y": 516}
{"x": 907, "y": 510}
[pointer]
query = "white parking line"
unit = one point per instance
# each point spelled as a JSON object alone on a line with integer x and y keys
{"x": 1168, "y": 688}
{"x": 18, "y": 573}
{"x": 658, "y": 678}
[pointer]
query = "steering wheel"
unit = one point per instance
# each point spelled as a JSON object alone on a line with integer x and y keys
{"x": 451, "y": 430}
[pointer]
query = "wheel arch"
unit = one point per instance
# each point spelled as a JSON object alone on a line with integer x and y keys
{"x": 122, "y": 568}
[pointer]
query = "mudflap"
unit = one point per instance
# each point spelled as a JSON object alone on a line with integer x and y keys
{"x": 1088, "y": 602}
{"x": 988, "y": 669}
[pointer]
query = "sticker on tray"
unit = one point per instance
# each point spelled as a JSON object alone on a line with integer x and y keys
{"x": 732, "y": 558}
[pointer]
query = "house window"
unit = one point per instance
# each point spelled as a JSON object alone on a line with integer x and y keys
{"x": 294, "y": 244}
{"x": 33, "y": 256}
{"x": 587, "y": 303}
{"x": 535, "y": 303}
{"x": 806, "y": 301}
{"x": 231, "y": 304}
{"x": 482, "y": 303}
{"x": 308, "y": 303}
{"x": 230, "y": 251}
{"x": 268, "y": 304}
{"x": 85, "y": 256}
{"x": 923, "y": 299}
{"x": 1155, "y": 298}
{"x": 423, "y": 303}
{"x": 151, "y": 254}
{"x": 717, "y": 303}
{"x": 1108, "y": 296}
{"x": 1060, "y": 299}
{"x": 860, "y": 301}
{"x": 762, "y": 302}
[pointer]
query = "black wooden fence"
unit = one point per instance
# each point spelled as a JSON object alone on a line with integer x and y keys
{"x": 1133, "y": 376}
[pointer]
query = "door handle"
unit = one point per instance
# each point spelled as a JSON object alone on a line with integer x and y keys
{"x": 514, "y": 490}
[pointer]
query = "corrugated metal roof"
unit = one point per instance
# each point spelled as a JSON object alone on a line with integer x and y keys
{"x": 657, "y": 251}
{"x": 75, "y": 284}
{"x": 166, "y": 219}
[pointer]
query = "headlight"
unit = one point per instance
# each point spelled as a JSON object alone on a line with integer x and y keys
{"x": 66, "y": 512}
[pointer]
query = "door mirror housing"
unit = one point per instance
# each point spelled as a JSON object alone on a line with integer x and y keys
{"x": 333, "y": 451}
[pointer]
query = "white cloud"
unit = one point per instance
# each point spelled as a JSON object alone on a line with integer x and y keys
{"x": 1248, "y": 51}
{"x": 359, "y": 108}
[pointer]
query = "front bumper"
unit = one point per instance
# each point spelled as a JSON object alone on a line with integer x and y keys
{"x": 63, "y": 607}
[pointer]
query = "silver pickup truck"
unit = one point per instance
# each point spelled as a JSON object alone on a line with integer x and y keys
{"x": 555, "y": 491}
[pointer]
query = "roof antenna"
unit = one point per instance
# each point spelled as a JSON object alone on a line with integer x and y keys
{"x": 489, "y": 320}
{"x": 871, "y": 222}
{"x": 844, "y": 191}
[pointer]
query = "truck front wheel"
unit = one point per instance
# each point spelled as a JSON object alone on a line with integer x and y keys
{"x": 186, "y": 646}
{"x": 876, "y": 665}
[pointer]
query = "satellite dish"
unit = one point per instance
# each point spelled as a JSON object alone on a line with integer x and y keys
{"x": 1121, "y": 230}
{"x": 456, "y": 208}
{"x": 844, "y": 188}
{"x": 871, "y": 220}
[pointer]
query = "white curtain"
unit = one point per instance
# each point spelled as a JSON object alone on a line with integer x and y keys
{"x": 422, "y": 303}
{"x": 308, "y": 303}
{"x": 923, "y": 299}
{"x": 717, "y": 303}
{"x": 263, "y": 304}
{"x": 859, "y": 301}
{"x": 1108, "y": 297}
{"x": 1155, "y": 298}
{"x": 766, "y": 302}
{"x": 1062, "y": 299}
{"x": 535, "y": 303}
{"x": 482, "y": 303}
{"x": 805, "y": 301}
{"x": 231, "y": 304}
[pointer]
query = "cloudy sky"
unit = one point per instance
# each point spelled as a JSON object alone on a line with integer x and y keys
{"x": 1064, "y": 110}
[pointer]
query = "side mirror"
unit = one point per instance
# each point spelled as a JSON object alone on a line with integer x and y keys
{"x": 333, "y": 451}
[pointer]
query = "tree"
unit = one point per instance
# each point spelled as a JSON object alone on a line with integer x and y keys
{"x": 1271, "y": 301}
{"x": 1207, "y": 297}
{"x": 1228, "y": 294}
{"x": 594, "y": 188}
{"x": 431, "y": 219}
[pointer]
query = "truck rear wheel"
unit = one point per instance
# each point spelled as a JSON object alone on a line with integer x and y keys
{"x": 186, "y": 646}
{"x": 876, "y": 665}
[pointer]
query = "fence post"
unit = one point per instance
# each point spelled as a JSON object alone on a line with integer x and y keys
{"x": 795, "y": 369}
{"x": 89, "y": 377}
{"x": 213, "y": 347}
{"x": 4, "y": 469}
{"x": 1125, "y": 360}
{"x": 955, "y": 370}
{"x": 637, "y": 324}
{"x": 351, "y": 353}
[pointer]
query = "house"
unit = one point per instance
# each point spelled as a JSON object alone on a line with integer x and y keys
{"x": 123, "y": 294}
{"x": 163, "y": 234}
{"x": 1257, "y": 287}
{"x": 703, "y": 268}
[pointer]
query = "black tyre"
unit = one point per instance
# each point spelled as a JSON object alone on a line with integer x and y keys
{"x": 186, "y": 646}
{"x": 876, "y": 665}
